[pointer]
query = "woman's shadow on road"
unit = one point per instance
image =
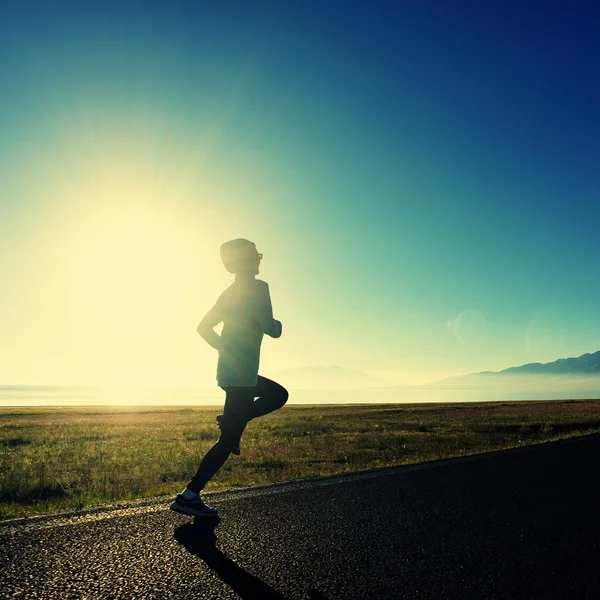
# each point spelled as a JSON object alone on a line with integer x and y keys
{"x": 199, "y": 539}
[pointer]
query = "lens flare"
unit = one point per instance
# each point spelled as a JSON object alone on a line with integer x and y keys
{"x": 470, "y": 328}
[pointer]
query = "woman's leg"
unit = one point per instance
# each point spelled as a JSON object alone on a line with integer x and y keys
{"x": 271, "y": 396}
{"x": 238, "y": 407}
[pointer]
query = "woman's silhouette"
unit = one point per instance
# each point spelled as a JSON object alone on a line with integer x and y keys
{"x": 245, "y": 310}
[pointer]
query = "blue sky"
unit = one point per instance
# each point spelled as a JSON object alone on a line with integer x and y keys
{"x": 420, "y": 176}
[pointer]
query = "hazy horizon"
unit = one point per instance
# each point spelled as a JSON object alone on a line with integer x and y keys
{"x": 42, "y": 396}
{"x": 326, "y": 385}
{"x": 336, "y": 377}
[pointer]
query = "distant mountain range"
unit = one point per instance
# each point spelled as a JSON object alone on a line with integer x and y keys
{"x": 586, "y": 364}
{"x": 581, "y": 371}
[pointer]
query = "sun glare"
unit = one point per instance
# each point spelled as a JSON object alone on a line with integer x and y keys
{"x": 130, "y": 270}
{"x": 132, "y": 287}
{"x": 129, "y": 251}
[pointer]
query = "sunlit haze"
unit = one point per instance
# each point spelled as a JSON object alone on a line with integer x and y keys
{"x": 422, "y": 181}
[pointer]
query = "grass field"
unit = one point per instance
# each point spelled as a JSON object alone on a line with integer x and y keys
{"x": 64, "y": 458}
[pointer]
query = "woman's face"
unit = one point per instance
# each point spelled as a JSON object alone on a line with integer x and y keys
{"x": 257, "y": 266}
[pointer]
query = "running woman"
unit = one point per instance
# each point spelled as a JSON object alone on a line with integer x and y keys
{"x": 245, "y": 310}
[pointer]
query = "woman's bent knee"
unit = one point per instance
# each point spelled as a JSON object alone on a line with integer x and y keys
{"x": 282, "y": 397}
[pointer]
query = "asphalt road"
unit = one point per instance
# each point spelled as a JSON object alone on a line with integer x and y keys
{"x": 510, "y": 525}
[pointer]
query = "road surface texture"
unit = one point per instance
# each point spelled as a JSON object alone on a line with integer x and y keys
{"x": 514, "y": 524}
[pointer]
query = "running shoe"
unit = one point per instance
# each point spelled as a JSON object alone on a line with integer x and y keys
{"x": 196, "y": 507}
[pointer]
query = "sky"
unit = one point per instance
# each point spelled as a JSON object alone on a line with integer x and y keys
{"x": 421, "y": 178}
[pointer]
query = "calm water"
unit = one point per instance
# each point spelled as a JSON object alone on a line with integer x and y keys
{"x": 11, "y": 395}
